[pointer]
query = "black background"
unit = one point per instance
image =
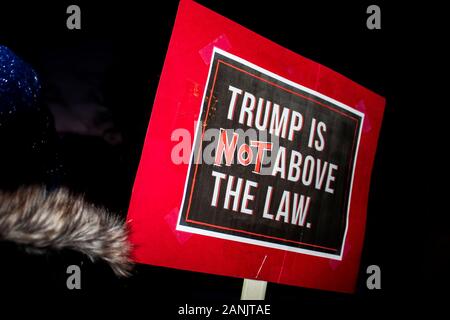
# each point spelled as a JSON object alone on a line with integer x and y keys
{"x": 328, "y": 211}
{"x": 407, "y": 227}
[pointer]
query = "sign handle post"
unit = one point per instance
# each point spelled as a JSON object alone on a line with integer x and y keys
{"x": 253, "y": 289}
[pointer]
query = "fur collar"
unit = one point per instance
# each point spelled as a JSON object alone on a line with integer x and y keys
{"x": 34, "y": 217}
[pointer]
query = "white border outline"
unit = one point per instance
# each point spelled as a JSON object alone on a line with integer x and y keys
{"x": 262, "y": 243}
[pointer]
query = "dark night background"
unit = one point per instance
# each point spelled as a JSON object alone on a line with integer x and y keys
{"x": 99, "y": 83}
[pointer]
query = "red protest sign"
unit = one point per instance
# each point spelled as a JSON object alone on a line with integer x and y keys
{"x": 256, "y": 162}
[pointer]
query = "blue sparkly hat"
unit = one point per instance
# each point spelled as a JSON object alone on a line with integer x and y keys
{"x": 19, "y": 84}
{"x": 27, "y": 133}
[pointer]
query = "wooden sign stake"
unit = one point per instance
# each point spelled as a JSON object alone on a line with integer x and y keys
{"x": 253, "y": 289}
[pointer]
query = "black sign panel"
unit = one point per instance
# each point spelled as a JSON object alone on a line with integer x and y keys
{"x": 272, "y": 162}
